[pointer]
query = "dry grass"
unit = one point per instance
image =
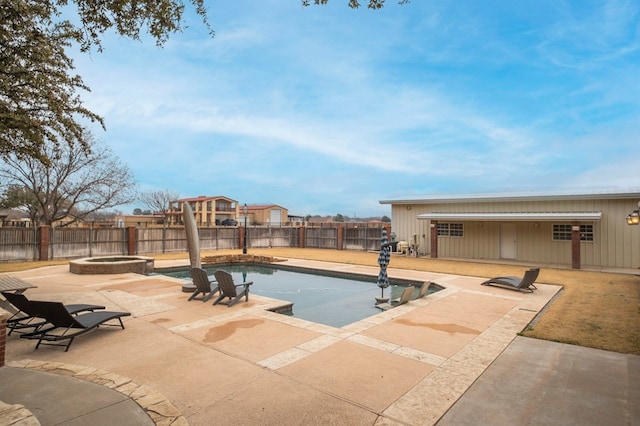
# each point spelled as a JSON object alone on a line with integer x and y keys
{"x": 596, "y": 309}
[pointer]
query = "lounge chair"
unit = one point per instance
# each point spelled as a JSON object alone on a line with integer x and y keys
{"x": 404, "y": 298}
{"x": 229, "y": 290}
{"x": 203, "y": 285}
{"x": 524, "y": 284}
{"x": 65, "y": 326}
{"x": 27, "y": 319}
{"x": 423, "y": 289}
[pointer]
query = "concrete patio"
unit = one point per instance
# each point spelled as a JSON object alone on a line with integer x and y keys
{"x": 191, "y": 362}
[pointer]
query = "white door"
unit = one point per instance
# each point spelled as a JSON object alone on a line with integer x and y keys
{"x": 508, "y": 241}
{"x": 275, "y": 217}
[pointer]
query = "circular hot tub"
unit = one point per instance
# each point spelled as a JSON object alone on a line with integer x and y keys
{"x": 112, "y": 265}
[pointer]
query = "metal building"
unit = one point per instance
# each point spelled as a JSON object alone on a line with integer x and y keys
{"x": 577, "y": 230}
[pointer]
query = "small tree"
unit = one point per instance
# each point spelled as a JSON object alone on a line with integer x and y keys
{"x": 157, "y": 202}
{"x": 338, "y": 218}
{"x": 73, "y": 186}
{"x": 385, "y": 219}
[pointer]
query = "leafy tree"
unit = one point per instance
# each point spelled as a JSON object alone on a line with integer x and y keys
{"x": 19, "y": 197}
{"x": 338, "y": 218}
{"x": 39, "y": 100}
{"x": 354, "y": 4}
{"x": 137, "y": 212}
{"x": 385, "y": 219}
{"x": 74, "y": 186}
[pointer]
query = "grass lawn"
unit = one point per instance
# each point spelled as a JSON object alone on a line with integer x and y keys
{"x": 596, "y": 309}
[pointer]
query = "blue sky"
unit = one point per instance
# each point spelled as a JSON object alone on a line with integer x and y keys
{"x": 327, "y": 110}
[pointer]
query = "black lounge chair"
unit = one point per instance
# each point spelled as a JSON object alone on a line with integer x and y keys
{"x": 65, "y": 326}
{"x": 228, "y": 289}
{"x": 203, "y": 285}
{"x": 27, "y": 319}
{"x": 404, "y": 298}
{"x": 524, "y": 284}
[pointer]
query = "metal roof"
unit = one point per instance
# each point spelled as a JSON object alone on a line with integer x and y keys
{"x": 502, "y": 198}
{"x": 530, "y": 216}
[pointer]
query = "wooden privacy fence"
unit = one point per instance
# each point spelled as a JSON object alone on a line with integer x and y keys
{"x": 44, "y": 243}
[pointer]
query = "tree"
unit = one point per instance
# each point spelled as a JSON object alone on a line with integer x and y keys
{"x": 354, "y": 4}
{"x": 385, "y": 219}
{"x": 74, "y": 186}
{"x": 39, "y": 100}
{"x": 19, "y": 197}
{"x": 157, "y": 202}
{"x": 338, "y": 218}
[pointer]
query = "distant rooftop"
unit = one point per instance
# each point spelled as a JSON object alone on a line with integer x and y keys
{"x": 550, "y": 195}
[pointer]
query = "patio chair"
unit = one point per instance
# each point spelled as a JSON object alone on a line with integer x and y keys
{"x": 230, "y": 290}
{"x": 524, "y": 284}
{"x": 404, "y": 298}
{"x": 423, "y": 289}
{"x": 27, "y": 319}
{"x": 65, "y": 326}
{"x": 203, "y": 285}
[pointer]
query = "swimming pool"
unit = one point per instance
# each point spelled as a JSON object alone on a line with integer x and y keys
{"x": 333, "y": 299}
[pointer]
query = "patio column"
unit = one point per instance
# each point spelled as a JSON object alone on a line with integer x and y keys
{"x": 575, "y": 245}
{"x": 340, "y": 241}
{"x": 433, "y": 233}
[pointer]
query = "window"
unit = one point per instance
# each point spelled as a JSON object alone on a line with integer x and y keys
{"x": 563, "y": 232}
{"x": 586, "y": 232}
{"x": 450, "y": 230}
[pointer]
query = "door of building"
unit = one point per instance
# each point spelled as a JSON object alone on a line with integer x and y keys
{"x": 275, "y": 217}
{"x": 508, "y": 241}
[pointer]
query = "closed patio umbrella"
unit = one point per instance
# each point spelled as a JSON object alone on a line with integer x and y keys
{"x": 383, "y": 261}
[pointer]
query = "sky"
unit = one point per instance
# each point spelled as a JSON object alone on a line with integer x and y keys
{"x": 327, "y": 110}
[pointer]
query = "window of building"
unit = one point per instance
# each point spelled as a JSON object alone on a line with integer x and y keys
{"x": 562, "y": 232}
{"x": 450, "y": 229}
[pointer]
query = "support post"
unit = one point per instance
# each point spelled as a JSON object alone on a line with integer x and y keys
{"x": 433, "y": 234}
{"x": 575, "y": 245}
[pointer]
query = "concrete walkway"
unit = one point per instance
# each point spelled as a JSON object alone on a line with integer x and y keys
{"x": 246, "y": 365}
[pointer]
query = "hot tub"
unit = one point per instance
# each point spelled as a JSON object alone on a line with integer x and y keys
{"x": 112, "y": 265}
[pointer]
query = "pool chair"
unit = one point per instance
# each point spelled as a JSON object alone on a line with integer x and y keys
{"x": 423, "y": 289}
{"x": 524, "y": 284}
{"x": 63, "y": 326}
{"x": 404, "y": 298}
{"x": 229, "y": 290}
{"x": 203, "y": 285}
{"x": 27, "y": 320}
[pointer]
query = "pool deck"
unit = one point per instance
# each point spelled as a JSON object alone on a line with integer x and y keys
{"x": 193, "y": 363}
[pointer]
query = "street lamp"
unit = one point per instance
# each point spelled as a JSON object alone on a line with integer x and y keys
{"x": 633, "y": 218}
{"x": 244, "y": 211}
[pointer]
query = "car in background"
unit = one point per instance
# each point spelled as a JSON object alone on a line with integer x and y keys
{"x": 229, "y": 222}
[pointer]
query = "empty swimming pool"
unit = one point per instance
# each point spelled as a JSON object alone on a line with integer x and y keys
{"x": 326, "y": 299}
